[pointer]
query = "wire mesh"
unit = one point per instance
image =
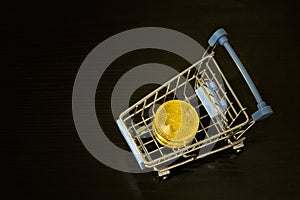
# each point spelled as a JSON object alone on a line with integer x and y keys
{"x": 138, "y": 118}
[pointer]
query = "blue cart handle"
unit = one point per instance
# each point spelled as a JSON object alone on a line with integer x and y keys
{"x": 220, "y": 37}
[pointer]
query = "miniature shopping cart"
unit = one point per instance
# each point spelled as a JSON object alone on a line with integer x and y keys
{"x": 222, "y": 118}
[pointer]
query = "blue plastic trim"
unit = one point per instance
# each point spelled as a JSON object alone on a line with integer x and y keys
{"x": 131, "y": 144}
{"x": 220, "y": 37}
{"x": 212, "y": 87}
{"x": 206, "y": 102}
{"x": 209, "y": 107}
{"x": 215, "y": 38}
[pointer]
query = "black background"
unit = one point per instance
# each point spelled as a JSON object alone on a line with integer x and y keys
{"x": 47, "y": 43}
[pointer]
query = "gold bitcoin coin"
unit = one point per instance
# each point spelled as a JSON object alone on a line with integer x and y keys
{"x": 175, "y": 123}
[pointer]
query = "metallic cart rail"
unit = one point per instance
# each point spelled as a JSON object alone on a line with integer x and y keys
{"x": 223, "y": 119}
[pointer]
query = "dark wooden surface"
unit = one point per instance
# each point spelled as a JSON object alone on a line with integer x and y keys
{"x": 49, "y": 41}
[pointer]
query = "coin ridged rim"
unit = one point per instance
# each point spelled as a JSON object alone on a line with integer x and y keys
{"x": 173, "y": 140}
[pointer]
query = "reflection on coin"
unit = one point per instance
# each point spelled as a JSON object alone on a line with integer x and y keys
{"x": 175, "y": 123}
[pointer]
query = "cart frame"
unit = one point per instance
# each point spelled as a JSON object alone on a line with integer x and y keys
{"x": 223, "y": 119}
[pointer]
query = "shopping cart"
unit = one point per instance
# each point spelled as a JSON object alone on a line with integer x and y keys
{"x": 222, "y": 118}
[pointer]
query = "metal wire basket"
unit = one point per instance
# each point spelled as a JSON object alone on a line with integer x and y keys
{"x": 222, "y": 118}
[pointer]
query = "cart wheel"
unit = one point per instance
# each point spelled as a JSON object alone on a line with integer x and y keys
{"x": 163, "y": 175}
{"x": 238, "y": 151}
{"x": 163, "y": 178}
{"x": 160, "y": 179}
{"x": 238, "y": 148}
